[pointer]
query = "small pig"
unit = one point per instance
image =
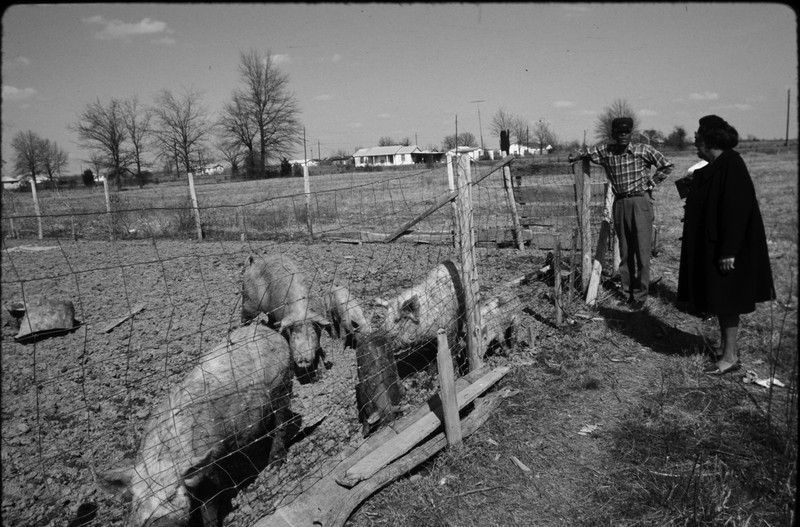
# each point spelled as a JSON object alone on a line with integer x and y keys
{"x": 217, "y": 429}
{"x": 275, "y": 286}
{"x": 500, "y": 318}
{"x": 378, "y": 389}
{"x": 347, "y": 317}
{"x": 414, "y": 317}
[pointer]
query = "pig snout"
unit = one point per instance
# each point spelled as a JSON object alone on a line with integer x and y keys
{"x": 304, "y": 342}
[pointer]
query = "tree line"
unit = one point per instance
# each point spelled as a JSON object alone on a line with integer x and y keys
{"x": 124, "y": 138}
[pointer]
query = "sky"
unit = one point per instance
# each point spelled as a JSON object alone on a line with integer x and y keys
{"x": 360, "y": 72}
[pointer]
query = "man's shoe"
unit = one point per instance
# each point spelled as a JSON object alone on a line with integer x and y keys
{"x": 638, "y": 305}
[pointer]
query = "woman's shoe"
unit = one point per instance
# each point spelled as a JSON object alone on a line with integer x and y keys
{"x": 714, "y": 369}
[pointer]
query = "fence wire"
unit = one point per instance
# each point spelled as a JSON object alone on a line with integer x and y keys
{"x": 158, "y": 370}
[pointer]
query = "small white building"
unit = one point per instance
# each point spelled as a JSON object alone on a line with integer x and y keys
{"x": 387, "y": 155}
{"x": 303, "y": 162}
{"x": 518, "y": 149}
{"x": 473, "y": 152}
{"x": 11, "y": 182}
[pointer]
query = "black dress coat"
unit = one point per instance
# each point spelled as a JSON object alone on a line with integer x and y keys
{"x": 723, "y": 219}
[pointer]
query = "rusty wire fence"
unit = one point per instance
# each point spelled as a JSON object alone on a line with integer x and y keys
{"x": 155, "y": 313}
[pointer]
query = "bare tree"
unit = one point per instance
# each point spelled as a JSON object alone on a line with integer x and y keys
{"x": 237, "y": 126}
{"x": 386, "y": 141}
{"x": 272, "y": 107}
{"x": 137, "y": 123}
{"x": 619, "y": 108}
{"x": 102, "y": 128}
{"x": 53, "y": 159}
{"x": 464, "y": 139}
{"x": 232, "y": 152}
{"x": 543, "y": 135}
{"x": 182, "y": 126}
{"x": 504, "y": 120}
{"x": 27, "y": 161}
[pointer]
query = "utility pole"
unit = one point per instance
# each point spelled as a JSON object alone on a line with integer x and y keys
{"x": 788, "y": 103}
{"x": 480, "y": 128}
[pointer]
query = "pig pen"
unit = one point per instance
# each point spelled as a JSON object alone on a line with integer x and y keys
{"x": 77, "y": 402}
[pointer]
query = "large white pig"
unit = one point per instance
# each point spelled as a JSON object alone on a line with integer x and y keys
{"x": 414, "y": 317}
{"x": 219, "y": 427}
{"x": 346, "y": 316}
{"x": 274, "y": 285}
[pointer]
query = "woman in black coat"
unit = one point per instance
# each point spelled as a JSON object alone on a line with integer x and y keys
{"x": 725, "y": 267}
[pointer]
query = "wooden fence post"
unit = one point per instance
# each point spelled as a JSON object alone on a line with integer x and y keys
{"x": 36, "y": 206}
{"x": 447, "y": 390}
{"x": 451, "y": 186}
{"x": 110, "y": 213}
{"x": 557, "y": 279}
{"x": 307, "y": 191}
{"x": 244, "y": 224}
{"x": 196, "y": 208}
{"x": 512, "y": 207}
{"x": 584, "y": 194}
{"x": 469, "y": 277}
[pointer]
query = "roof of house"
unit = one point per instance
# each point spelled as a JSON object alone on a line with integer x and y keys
{"x": 386, "y": 150}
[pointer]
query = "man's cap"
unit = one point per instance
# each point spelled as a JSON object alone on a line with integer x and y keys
{"x": 622, "y": 124}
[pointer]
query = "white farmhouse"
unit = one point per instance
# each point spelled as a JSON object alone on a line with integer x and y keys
{"x": 387, "y": 155}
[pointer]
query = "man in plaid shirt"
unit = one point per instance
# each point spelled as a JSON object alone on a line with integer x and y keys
{"x": 628, "y": 167}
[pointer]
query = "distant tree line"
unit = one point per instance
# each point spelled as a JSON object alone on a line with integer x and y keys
{"x": 125, "y": 139}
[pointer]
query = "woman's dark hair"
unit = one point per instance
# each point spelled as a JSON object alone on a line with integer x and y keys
{"x": 717, "y": 133}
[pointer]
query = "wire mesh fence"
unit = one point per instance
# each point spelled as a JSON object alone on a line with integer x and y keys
{"x": 158, "y": 371}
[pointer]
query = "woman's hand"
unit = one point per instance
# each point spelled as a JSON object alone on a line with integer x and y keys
{"x": 726, "y": 264}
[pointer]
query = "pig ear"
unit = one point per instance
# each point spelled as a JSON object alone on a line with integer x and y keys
{"x": 115, "y": 481}
{"x": 287, "y": 322}
{"x": 411, "y": 307}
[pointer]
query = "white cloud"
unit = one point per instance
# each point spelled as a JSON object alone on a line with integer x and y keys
{"x": 281, "y": 58}
{"x": 117, "y": 29}
{"x": 384, "y": 115}
{"x": 336, "y": 58}
{"x": 355, "y": 125}
{"x": 10, "y": 93}
{"x": 564, "y": 104}
{"x": 22, "y": 60}
{"x": 647, "y": 113}
{"x": 705, "y": 96}
{"x": 323, "y": 97}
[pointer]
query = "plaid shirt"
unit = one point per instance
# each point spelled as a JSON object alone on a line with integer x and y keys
{"x": 630, "y": 171}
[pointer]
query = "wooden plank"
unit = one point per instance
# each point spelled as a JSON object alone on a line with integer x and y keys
{"x": 594, "y": 283}
{"x": 447, "y": 390}
{"x": 439, "y": 203}
{"x": 408, "y": 438}
{"x": 330, "y": 505}
{"x": 137, "y": 309}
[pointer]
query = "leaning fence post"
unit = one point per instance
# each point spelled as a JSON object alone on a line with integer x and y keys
{"x": 195, "y": 207}
{"x": 512, "y": 207}
{"x": 447, "y": 390}
{"x": 108, "y": 208}
{"x": 584, "y": 194}
{"x": 557, "y": 279}
{"x": 307, "y": 191}
{"x": 469, "y": 276}
{"x": 36, "y": 206}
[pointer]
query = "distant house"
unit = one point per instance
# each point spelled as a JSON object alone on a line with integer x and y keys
{"x": 387, "y": 156}
{"x": 11, "y": 182}
{"x": 518, "y": 149}
{"x": 473, "y": 152}
{"x": 339, "y": 160}
{"x": 302, "y": 162}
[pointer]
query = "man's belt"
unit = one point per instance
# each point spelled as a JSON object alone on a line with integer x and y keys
{"x": 629, "y": 195}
